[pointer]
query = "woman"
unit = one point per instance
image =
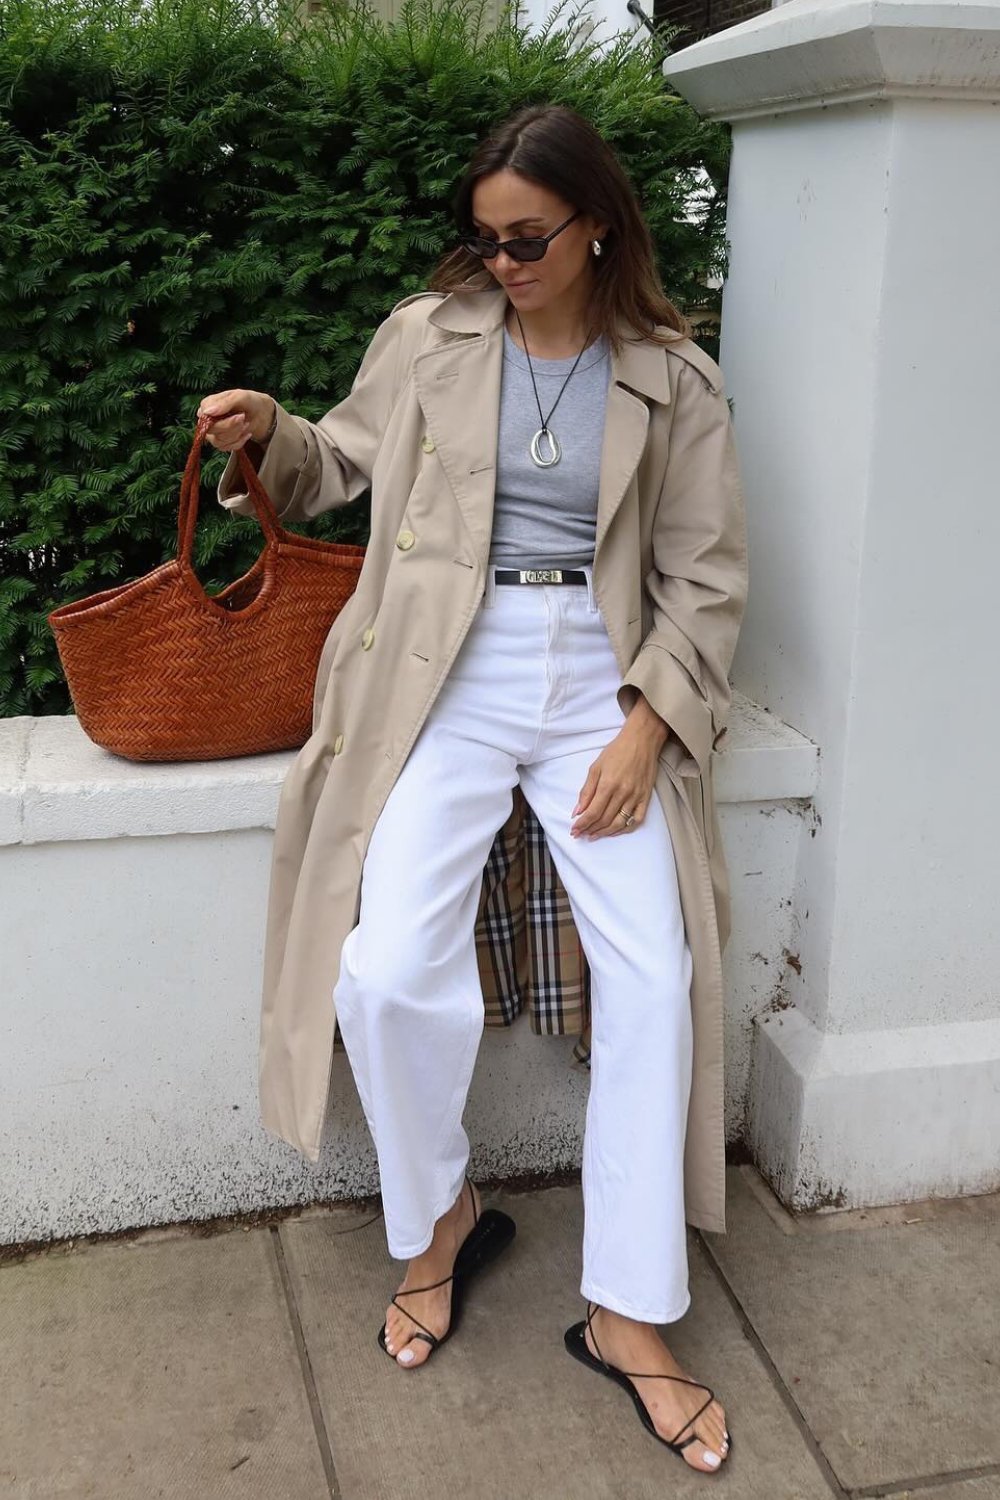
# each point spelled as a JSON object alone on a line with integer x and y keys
{"x": 551, "y": 597}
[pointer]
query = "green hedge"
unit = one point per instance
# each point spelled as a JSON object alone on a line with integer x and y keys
{"x": 199, "y": 194}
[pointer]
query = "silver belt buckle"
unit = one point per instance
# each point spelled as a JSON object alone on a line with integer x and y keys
{"x": 541, "y": 575}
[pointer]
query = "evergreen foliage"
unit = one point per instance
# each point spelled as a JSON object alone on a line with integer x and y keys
{"x": 204, "y": 194}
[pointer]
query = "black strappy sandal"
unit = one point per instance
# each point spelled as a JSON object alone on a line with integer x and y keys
{"x": 576, "y": 1344}
{"x": 491, "y": 1233}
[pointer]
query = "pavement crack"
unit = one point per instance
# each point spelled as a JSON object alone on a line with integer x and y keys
{"x": 305, "y": 1363}
{"x": 785, "y": 1395}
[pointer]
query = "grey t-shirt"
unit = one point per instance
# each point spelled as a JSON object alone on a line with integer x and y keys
{"x": 548, "y": 517}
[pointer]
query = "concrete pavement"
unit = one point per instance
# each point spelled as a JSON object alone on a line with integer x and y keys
{"x": 856, "y": 1354}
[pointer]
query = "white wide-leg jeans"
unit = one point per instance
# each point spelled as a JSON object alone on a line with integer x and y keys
{"x": 530, "y": 698}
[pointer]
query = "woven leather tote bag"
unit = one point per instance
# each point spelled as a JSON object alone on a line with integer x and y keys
{"x": 159, "y": 670}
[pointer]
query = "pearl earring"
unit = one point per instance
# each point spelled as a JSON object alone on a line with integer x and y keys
{"x": 597, "y": 247}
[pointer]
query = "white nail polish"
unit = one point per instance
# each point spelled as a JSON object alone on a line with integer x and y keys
{"x": 406, "y": 1356}
{"x": 712, "y": 1458}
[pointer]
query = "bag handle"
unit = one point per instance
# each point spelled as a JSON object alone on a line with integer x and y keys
{"x": 191, "y": 489}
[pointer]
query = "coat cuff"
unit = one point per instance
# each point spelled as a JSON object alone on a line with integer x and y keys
{"x": 676, "y": 697}
{"x": 285, "y": 470}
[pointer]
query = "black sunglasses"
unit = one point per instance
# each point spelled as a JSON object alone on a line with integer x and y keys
{"x": 521, "y": 249}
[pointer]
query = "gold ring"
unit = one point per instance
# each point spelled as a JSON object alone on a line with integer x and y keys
{"x": 629, "y": 817}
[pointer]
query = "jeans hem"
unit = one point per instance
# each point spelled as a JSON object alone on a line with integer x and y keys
{"x": 428, "y": 1239}
{"x": 621, "y": 1305}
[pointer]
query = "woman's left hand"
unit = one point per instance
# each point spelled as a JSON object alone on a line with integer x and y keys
{"x": 622, "y": 776}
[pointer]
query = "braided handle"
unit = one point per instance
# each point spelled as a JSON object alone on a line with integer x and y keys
{"x": 191, "y": 488}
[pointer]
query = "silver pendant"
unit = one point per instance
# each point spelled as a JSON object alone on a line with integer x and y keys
{"x": 536, "y": 448}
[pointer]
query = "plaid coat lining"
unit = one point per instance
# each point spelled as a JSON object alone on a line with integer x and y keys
{"x": 527, "y": 944}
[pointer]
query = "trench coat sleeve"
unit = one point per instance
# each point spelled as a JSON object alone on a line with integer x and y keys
{"x": 698, "y": 582}
{"x": 309, "y": 467}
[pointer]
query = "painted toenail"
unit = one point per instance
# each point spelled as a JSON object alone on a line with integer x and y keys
{"x": 712, "y": 1458}
{"x": 406, "y": 1356}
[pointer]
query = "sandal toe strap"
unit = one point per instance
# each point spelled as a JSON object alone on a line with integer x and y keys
{"x": 433, "y": 1338}
{"x": 681, "y": 1380}
{"x": 694, "y": 1435}
{"x": 673, "y": 1443}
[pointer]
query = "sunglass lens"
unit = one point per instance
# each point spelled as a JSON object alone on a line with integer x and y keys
{"x": 478, "y": 246}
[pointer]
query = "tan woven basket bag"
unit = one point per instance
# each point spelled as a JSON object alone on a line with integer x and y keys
{"x": 159, "y": 670}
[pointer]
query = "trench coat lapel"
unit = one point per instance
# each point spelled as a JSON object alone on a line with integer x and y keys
{"x": 458, "y": 387}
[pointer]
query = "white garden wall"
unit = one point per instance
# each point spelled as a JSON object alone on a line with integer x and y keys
{"x": 132, "y": 904}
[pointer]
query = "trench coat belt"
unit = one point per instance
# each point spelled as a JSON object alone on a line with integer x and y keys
{"x": 539, "y": 575}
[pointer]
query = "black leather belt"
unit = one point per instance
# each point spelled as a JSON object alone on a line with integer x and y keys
{"x": 539, "y": 575}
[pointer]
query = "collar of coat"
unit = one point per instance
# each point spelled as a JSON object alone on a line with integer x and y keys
{"x": 640, "y": 364}
{"x": 458, "y": 378}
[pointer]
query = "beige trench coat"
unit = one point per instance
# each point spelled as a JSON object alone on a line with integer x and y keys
{"x": 420, "y": 425}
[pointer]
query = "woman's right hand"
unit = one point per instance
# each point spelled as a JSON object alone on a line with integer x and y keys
{"x": 239, "y": 416}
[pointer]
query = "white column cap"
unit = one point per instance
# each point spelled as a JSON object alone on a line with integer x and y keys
{"x": 810, "y": 54}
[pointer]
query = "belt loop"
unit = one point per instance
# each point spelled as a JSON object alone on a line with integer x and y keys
{"x": 490, "y": 595}
{"x": 591, "y": 597}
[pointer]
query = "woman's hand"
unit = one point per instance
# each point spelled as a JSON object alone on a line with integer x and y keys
{"x": 239, "y": 417}
{"x": 622, "y": 776}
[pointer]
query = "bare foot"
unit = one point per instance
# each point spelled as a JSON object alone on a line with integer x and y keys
{"x": 630, "y": 1345}
{"x": 432, "y": 1308}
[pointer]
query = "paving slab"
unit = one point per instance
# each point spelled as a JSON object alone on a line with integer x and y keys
{"x": 885, "y": 1328}
{"x": 986, "y": 1487}
{"x": 164, "y": 1367}
{"x": 502, "y": 1412}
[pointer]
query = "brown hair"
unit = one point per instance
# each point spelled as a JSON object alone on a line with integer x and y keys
{"x": 556, "y": 146}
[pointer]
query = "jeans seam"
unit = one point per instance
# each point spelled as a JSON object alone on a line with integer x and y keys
{"x": 477, "y": 1021}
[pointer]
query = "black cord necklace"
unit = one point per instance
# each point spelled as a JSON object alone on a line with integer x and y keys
{"x": 535, "y": 449}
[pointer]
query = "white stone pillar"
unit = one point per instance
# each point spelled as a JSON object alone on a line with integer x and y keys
{"x": 861, "y": 347}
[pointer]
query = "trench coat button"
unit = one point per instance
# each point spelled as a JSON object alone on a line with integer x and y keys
{"x": 338, "y": 744}
{"x": 367, "y": 638}
{"x": 427, "y": 443}
{"x": 405, "y": 540}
